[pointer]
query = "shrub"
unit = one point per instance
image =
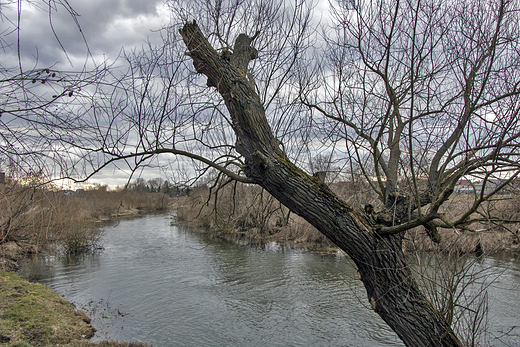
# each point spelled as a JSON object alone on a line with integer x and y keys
{"x": 40, "y": 214}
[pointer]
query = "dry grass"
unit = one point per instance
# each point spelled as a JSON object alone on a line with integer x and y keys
{"x": 245, "y": 212}
{"x": 248, "y": 213}
{"x": 37, "y": 216}
{"x": 487, "y": 236}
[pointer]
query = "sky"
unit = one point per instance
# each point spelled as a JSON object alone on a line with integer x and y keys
{"x": 98, "y": 33}
{"x": 107, "y": 25}
{"x": 52, "y": 37}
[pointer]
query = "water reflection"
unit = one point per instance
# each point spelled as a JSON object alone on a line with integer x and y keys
{"x": 163, "y": 285}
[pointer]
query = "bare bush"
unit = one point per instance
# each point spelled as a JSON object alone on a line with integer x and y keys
{"x": 40, "y": 214}
{"x": 248, "y": 213}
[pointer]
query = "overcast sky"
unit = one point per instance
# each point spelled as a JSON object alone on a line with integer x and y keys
{"x": 103, "y": 27}
{"x": 107, "y": 26}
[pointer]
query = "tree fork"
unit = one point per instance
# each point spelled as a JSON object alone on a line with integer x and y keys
{"x": 391, "y": 289}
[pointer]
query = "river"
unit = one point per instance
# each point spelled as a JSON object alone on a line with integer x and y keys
{"x": 159, "y": 283}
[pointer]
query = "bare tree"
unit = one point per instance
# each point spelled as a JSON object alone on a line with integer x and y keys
{"x": 391, "y": 289}
{"x": 416, "y": 95}
{"x": 424, "y": 93}
{"x": 41, "y": 107}
{"x": 402, "y": 76}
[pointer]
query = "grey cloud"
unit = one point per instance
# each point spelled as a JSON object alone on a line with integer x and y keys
{"x": 101, "y": 22}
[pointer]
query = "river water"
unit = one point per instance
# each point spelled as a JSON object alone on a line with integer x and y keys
{"x": 163, "y": 285}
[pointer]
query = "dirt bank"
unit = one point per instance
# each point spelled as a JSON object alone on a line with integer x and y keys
{"x": 12, "y": 252}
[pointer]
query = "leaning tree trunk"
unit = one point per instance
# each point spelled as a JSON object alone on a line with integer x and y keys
{"x": 392, "y": 291}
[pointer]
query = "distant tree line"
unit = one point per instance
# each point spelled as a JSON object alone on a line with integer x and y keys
{"x": 159, "y": 185}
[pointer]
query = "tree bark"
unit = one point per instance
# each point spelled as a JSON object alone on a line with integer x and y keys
{"x": 391, "y": 289}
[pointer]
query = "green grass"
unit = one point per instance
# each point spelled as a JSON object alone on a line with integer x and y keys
{"x": 33, "y": 315}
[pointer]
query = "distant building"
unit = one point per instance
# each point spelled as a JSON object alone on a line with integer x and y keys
{"x": 464, "y": 187}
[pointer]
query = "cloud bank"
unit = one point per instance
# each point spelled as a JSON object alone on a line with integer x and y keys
{"x": 63, "y": 34}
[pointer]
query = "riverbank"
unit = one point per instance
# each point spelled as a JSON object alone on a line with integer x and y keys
{"x": 43, "y": 214}
{"x": 299, "y": 235}
{"x": 39, "y": 218}
{"x": 256, "y": 218}
{"x": 33, "y": 315}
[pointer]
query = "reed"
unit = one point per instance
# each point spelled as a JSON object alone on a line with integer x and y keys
{"x": 246, "y": 213}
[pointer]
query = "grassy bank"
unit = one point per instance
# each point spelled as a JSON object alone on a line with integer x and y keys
{"x": 247, "y": 213}
{"x": 33, "y": 315}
